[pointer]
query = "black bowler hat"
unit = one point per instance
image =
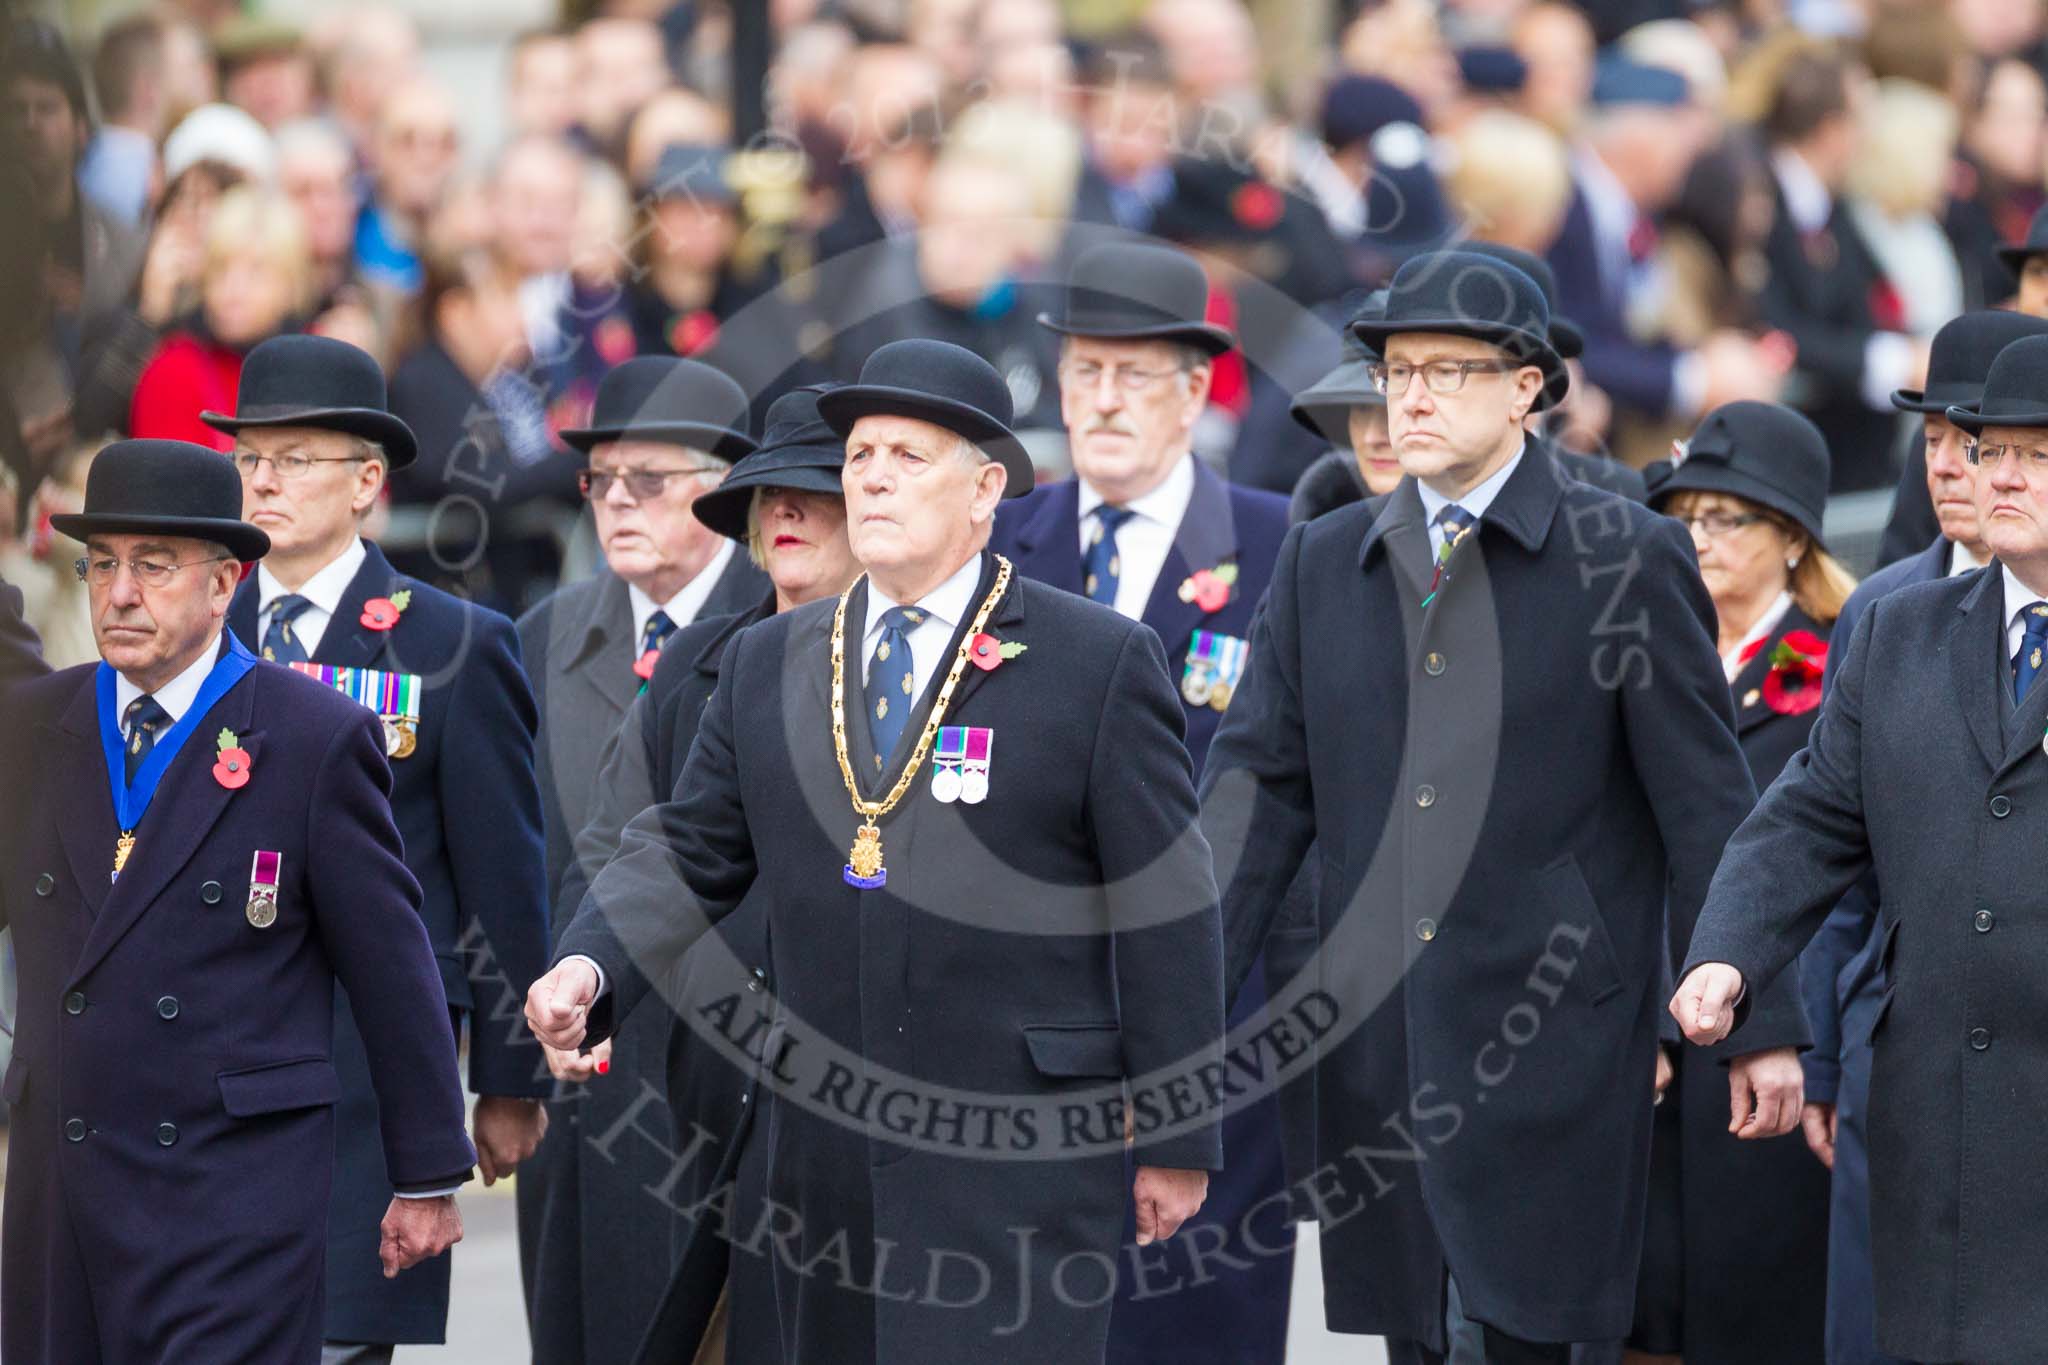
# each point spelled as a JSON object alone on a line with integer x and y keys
{"x": 662, "y": 398}
{"x": 1139, "y": 291}
{"x": 2015, "y": 391}
{"x": 1764, "y": 453}
{"x": 1465, "y": 293}
{"x": 1325, "y": 406}
{"x": 798, "y": 450}
{"x": 1961, "y": 357}
{"x": 165, "y": 488}
{"x": 692, "y": 170}
{"x": 937, "y": 382}
{"x": 309, "y": 381}
{"x": 2036, "y": 244}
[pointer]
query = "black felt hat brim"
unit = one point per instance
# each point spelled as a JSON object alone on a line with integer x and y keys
{"x": 245, "y": 542}
{"x": 2014, "y": 258}
{"x": 1525, "y": 347}
{"x": 1937, "y": 399}
{"x": 724, "y": 442}
{"x": 1708, "y": 476}
{"x": 394, "y": 436}
{"x": 842, "y": 407}
{"x": 1207, "y": 336}
{"x": 811, "y": 469}
{"x": 1974, "y": 422}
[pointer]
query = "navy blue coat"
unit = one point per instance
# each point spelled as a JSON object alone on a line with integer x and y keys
{"x": 1636, "y": 375}
{"x": 172, "y": 1086}
{"x": 21, "y": 653}
{"x": 468, "y": 813}
{"x": 1502, "y": 789}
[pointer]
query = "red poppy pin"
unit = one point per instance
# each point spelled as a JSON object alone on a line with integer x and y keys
{"x": 231, "y": 761}
{"x": 986, "y": 651}
{"x": 382, "y": 613}
{"x": 1256, "y": 205}
{"x": 1209, "y": 589}
{"x": 643, "y": 667}
{"x": 692, "y": 332}
{"x": 1798, "y": 662}
{"x": 613, "y": 340}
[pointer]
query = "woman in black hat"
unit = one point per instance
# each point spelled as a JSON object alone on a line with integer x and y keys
{"x": 1751, "y": 486}
{"x": 1346, "y": 409}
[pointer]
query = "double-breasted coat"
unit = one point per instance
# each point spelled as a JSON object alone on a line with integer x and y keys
{"x": 952, "y": 1045}
{"x": 172, "y": 1087}
{"x": 1503, "y": 789}
{"x": 1921, "y": 768}
{"x": 468, "y": 814}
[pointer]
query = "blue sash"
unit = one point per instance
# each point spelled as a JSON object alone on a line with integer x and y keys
{"x": 131, "y": 801}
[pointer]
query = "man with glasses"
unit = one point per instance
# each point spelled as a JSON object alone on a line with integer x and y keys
{"x": 314, "y": 444}
{"x": 1145, "y": 528}
{"x": 1492, "y": 701}
{"x": 206, "y": 854}
{"x": 1926, "y": 767}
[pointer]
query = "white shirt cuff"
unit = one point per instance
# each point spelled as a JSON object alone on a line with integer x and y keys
{"x": 429, "y": 1194}
{"x": 602, "y": 984}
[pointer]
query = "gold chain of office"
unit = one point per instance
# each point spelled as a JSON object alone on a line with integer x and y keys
{"x": 865, "y": 859}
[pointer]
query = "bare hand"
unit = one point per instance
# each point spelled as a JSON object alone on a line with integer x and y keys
{"x": 559, "y": 1004}
{"x": 505, "y": 1129}
{"x": 1738, "y": 368}
{"x": 1819, "y": 1122}
{"x": 579, "y": 1065}
{"x": 416, "y": 1230}
{"x": 1166, "y": 1197}
{"x": 1664, "y": 1073}
{"x": 171, "y": 268}
{"x": 1705, "y": 1004}
{"x": 1765, "y": 1092}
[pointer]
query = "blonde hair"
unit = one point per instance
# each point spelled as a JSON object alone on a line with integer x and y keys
{"x": 1819, "y": 583}
{"x": 250, "y": 220}
{"x": 1909, "y": 141}
{"x": 1508, "y": 174}
{"x": 1017, "y": 137}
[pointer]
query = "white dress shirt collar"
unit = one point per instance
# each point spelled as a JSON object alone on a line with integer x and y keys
{"x": 175, "y": 696}
{"x": 1475, "y": 502}
{"x": 324, "y": 590}
{"x": 945, "y": 607}
{"x": 1807, "y": 202}
{"x": 1143, "y": 542}
{"x": 684, "y": 607}
{"x": 1960, "y": 560}
{"x": 2018, "y": 597}
{"x": 1165, "y": 505}
{"x": 1732, "y": 662}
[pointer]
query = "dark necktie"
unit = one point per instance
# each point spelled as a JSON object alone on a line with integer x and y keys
{"x": 1456, "y": 524}
{"x": 891, "y": 686}
{"x": 2026, "y": 665}
{"x": 652, "y": 636}
{"x": 281, "y": 644}
{"x": 143, "y": 719}
{"x": 1101, "y": 567}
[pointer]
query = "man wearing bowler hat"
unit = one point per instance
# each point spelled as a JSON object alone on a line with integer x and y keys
{"x": 1492, "y": 702}
{"x": 1148, "y": 530}
{"x": 206, "y": 854}
{"x": 964, "y": 798}
{"x": 2027, "y": 262}
{"x": 1926, "y": 767}
{"x": 314, "y": 444}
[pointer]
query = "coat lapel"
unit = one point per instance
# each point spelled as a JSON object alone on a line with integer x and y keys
{"x": 595, "y": 644}
{"x": 1750, "y": 679}
{"x": 1206, "y": 537}
{"x": 85, "y": 808}
{"x": 347, "y": 642}
{"x": 1975, "y": 671}
{"x": 1049, "y": 544}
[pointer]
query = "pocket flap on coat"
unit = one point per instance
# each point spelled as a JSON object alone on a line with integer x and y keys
{"x": 1076, "y": 1049}
{"x": 279, "y": 1087}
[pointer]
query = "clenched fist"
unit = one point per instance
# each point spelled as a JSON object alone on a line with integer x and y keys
{"x": 560, "y": 1002}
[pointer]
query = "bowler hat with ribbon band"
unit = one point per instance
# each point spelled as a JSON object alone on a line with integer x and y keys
{"x": 1139, "y": 291}
{"x": 664, "y": 398}
{"x": 1961, "y": 357}
{"x": 311, "y": 381}
{"x": 165, "y": 488}
{"x": 1764, "y": 453}
{"x": 937, "y": 382}
{"x": 798, "y": 450}
{"x": 2036, "y": 244}
{"x": 1466, "y": 293}
{"x": 2015, "y": 391}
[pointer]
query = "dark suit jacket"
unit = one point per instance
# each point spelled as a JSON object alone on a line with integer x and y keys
{"x": 1638, "y": 376}
{"x": 172, "y": 1089}
{"x": 1501, "y": 809}
{"x": 1920, "y": 768}
{"x": 1043, "y": 946}
{"x": 21, "y": 653}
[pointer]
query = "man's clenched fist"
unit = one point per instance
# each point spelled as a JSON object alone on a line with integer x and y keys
{"x": 559, "y": 1003}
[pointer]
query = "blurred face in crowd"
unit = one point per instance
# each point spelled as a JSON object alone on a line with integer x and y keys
{"x": 188, "y": 67}
{"x": 1649, "y": 149}
{"x": 1952, "y": 483}
{"x": 151, "y": 635}
{"x": 1742, "y": 550}
{"x": 52, "y": 136}
{"x": 1556, "y": 44}
{"x": 654, "y": 542}
{"x": 800, "y": 539}
{"x": 415, "y": 149}
{"x": 1130, "y": 409}
{"x": 480, "y": 324}
{"x": 1210, "y": 46}
{"x": 2012, "y": 498}
{"x": 621, "y": 66}
{"x": 919, "y": 501}
{"x": 543, "y": 96}
{"x": 275, "y": 88}
{"x": 972, "y": 224}
{"x": 1373, "y": 447}
{"x": 534, "y": 200}
{"x": 315, "y": 176}
{"x": 1131, "y": 127}
{"x": 2007, "y": 135}
{"x": 378, "y": 52}
{"x": 2033, "y": 295}
{"x": 694, "y": 233}
{"x": 247, "y": 295}
{"x": 1454, "y": 441}
{"x": 671, "y": 117}
{"x": 310, "y": 514}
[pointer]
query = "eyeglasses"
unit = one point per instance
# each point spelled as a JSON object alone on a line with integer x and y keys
{"x": 1087, "y": 374}
{"x": 288, "y": 467}
{"x": 642, "y": 484}
{"x": 1715, "y": 525}
{"x": 2032, "y": 458}
{"x": 148, "y": 572}
{"x": 1441, "y": 376}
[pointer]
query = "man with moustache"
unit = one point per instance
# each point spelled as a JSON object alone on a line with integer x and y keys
{"x": 314, "y": 444}
{"x": 964, "y": 799}
{"x": 1926, "y": 767}
{"x": 1492, "y": 702}
{"x": 205, "y": 853}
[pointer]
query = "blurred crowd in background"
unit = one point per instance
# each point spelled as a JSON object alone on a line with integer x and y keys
{"x": 1774, "y": 199}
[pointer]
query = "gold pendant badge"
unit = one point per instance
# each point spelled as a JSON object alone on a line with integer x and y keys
{"x": 866, "y": 857}
{"x": 123, "y": 846}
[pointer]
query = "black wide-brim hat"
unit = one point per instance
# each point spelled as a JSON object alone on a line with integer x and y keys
{"x": 319, "y": 382}
{"x": 798, "y": 450}
{"x": 665, "y": 398}
{"x": 2014, "y": 258}
{"x": 1763, "y": 453}
{"x": 165, "y": 488}
{"x": 1961, "y": 357}
{"x": 2015, "y": 392}
{"x": 1466, "y": 293}
{"x": 1325, "y": 406}
{"x": 1139, "y": 291}
{"x": 937, "y": 382}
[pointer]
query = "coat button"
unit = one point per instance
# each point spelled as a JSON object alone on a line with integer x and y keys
{"x": 1980, "y": 1038}
{"x": 2000, "y": 807}
{"x": 1425, "y": 929}
{"x": 74, "y": 1130}
{"x": 1983, "y": 921}
{"x": 760, "y": 976}
{"x": 45, "y": 884}
{"x": 167, "y": 1007}
{"x": 74, "y": 1003}
{"x": 1433, "y": 664}
{"x": 166, "y": 1134}
{"x": 210, "y": 893}
{"x": 1425, "y": 796}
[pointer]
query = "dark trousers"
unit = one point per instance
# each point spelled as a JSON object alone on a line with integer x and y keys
{"x": 1474, "y": 1343}
{"x": 1852, "y": 1315}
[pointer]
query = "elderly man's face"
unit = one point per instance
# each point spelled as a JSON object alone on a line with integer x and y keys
{"x": 1952, "y": 481}
{"x": 2012, "y": 494}
{"x": 1444, "y": 437}
{"x": 1130, "y": 410}
{"x": 309, "y": 509}
{"x": 150, "y": 633}
{"x": 916, "y": 504}
{"x": 653, "y": 540}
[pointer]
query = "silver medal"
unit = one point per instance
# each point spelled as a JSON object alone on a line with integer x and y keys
{"x": 946, "y": 785}
{"x": 974, "y": 787}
